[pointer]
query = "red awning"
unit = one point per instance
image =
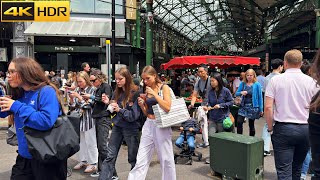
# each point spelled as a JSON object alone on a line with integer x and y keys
{"x": 212, "y": 61}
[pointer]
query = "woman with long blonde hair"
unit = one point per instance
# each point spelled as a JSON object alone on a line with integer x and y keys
{"x": 88, "y": 154}
{"x": 251, "y": 106}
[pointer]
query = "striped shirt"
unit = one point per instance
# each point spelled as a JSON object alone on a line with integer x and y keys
{"x": 85, "y": 108}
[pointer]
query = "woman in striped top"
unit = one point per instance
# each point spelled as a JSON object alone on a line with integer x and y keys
{"x": 88, "y": 154}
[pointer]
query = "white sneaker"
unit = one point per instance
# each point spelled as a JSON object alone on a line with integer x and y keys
{"x": 115, "y": 178}
{"x": 95, "y": 174}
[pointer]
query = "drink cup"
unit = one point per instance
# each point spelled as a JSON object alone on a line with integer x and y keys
{"x": 143, "y": 96}
{"x": 110, "y": 108}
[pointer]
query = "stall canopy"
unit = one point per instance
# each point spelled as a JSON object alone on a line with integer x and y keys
{"x": 212, "y": 61}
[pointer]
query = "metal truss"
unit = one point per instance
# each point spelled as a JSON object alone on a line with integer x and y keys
{"x": 225, "y": 23}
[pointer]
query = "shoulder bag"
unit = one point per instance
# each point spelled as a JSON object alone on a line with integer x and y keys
{"x": 238, "y": 99}
{"x": 58, "y": 143}
{"x": 177, "y": 114}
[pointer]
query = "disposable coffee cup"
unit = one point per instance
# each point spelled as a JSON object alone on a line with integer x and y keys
{"x": 110, "y": 108}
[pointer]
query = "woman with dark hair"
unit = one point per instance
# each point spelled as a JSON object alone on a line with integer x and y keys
{"x": 219, "y": 102}
{"x": 154, "y": 138}
{"x": 101, "y": 116}
{"x": 314, "y": 120}
{"x": 26, "y": 78}
{"x": 125, "y": 123}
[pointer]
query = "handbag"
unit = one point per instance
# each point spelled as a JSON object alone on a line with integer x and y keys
{"x": 57, "y": 143}
{"x": 177, "y": 114}
{"x": 237, "y": 100}
{"x": 11, "y": 136}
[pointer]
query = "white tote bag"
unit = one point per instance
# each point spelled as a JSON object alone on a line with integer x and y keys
{"x": 177, "y": 114}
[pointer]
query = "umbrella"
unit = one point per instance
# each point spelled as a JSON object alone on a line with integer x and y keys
{"x": 212, "y": 61}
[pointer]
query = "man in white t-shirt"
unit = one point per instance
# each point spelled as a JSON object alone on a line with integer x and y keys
{"x": 288, "y": 97}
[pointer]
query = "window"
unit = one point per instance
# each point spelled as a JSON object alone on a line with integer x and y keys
{"x": 95, "y": 6}
{"x": 82, "y": 6}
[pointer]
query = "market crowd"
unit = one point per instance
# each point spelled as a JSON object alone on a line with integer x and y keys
{"x": 287, "y": 98}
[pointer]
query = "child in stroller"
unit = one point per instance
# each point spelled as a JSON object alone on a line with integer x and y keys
{"x": 186, "y": 139}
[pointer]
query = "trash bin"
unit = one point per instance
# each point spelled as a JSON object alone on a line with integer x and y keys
{"x": 236, "y": 156}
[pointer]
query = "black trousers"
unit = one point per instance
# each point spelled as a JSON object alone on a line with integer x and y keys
{"x": 103, "y": 125}
{"x": 314, "y": 138}
{"x": 31, "y": 169}
{"x": 131, "y": 136}
{"x": 240, "y": 121}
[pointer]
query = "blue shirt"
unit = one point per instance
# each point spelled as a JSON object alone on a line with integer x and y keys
{"x": 261, "y": 79}
{"x": 26, "y": 113}
{"x": 224, "y": 100}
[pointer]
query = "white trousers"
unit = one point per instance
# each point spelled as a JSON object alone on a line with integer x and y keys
{"x": 88, "y": 146}
{"x": 205, "y": 129}
{"x": 154, "y": 138}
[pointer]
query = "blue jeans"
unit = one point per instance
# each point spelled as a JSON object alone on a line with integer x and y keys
{"x": 291, "y": 144}
{"x": 305, "y": 165}
{"x": 266, "y": 138}
{"x": 190, "y": 141}
{"x": 131, "y": 136}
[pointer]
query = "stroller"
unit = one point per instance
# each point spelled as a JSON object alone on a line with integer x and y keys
{"x": 185, "y": 153}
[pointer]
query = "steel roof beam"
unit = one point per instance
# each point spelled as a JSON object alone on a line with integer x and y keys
{"x": 181, "y": 21}
{"x": 189, "y": 10}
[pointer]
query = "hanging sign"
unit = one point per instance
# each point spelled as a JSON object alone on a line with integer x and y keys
{"x": 131, "y": 9}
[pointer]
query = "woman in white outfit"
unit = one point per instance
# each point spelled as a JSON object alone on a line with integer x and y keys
{"x": 153, "y": 137}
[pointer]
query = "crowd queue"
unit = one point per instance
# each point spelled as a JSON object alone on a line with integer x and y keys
{"x": 288, "y": 100}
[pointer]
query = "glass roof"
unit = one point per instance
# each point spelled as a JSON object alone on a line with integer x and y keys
{"x": 224, "y": 23}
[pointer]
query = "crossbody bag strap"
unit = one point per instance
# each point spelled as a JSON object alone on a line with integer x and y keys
{"x": 205, "y": 86}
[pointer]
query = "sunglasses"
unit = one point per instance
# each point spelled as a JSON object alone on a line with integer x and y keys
{"x": 94, "y": 80}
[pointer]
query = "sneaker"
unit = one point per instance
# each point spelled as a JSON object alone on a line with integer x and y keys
{"x": 207, "y": 161}
{"x": 115, "y": 178}
{"x": 91, "y": 168}
{"x": 266, "y": 153}
{"x": 95, "y": 174}
{"x": 80, "y": 165}
{"x": 202, "y": 145}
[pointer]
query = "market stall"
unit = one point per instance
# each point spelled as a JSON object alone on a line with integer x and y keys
{"x": 221, "y": 62}
{"x": 212, "y": 61}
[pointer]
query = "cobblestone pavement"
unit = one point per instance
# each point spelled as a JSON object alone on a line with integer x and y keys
{"x": 198, "y": 170}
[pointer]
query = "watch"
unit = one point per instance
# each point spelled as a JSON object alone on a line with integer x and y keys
{"x": 270, "y": 130}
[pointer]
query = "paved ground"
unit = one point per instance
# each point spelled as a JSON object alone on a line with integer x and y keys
{"x": 198, "y": 170}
